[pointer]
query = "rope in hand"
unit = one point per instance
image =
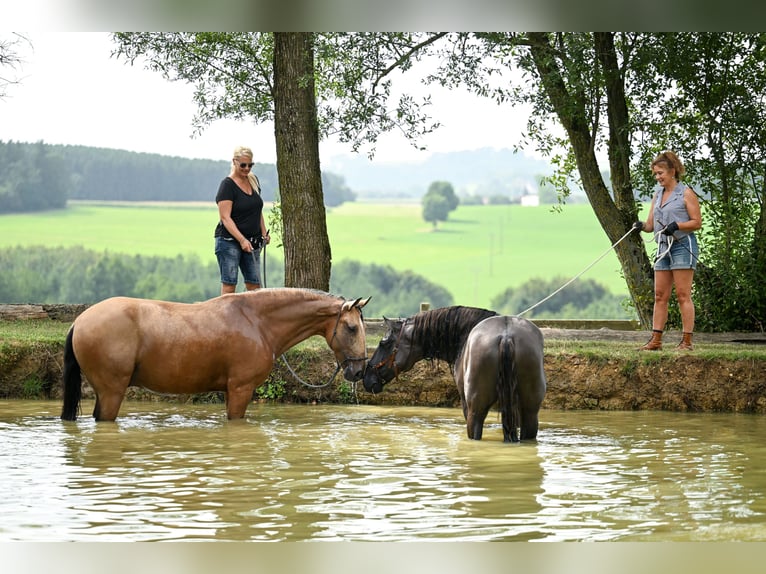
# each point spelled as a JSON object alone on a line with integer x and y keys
{"x": 284, "y": 359}
{"x": 604, "y": 254}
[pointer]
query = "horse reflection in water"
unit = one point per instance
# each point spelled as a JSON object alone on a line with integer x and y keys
{"x": 494, "y": 359}
{"x": 227, "y": 344}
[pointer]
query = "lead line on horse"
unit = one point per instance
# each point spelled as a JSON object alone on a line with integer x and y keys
{"x": 599, "y": 258}
{"x": 295, "y": 375}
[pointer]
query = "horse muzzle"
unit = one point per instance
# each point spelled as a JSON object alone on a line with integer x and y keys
{"x": 353, "y": 373}
{"x": 372, "y": 383}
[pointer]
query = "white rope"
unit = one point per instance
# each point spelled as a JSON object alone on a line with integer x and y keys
{"x": 604, "y": 254}
{"x": 659, "y": 255}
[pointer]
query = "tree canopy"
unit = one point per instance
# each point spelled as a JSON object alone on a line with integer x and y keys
{"x": 626, "y": 97}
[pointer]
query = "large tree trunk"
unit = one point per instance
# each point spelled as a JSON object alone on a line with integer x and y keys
{"x": 614, "y": 215}
{"x": 306, "y": 244}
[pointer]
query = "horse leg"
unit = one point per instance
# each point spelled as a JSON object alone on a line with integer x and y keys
{"x": 532, "y": 390}
{"x": 237, "y": 400}
{"x": 474, "y": 421}
{"x": 529, "y": 423}
{"x": 107, "y": 405}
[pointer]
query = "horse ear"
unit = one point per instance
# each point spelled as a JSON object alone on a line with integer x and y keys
{"x": 361, "y": 303}
{"x": 350, "y": 304}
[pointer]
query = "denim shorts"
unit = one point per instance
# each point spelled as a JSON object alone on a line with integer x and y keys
{"x": 683, "y": 254}
{"x": 231, "y": 258}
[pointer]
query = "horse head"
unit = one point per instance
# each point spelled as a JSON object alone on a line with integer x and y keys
{"x": 349, "y": 340}
{"x": 393, "y": 355}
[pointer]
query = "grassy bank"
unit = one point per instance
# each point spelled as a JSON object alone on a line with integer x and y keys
{"x": 604, "y": 373}
{"x": 476, "y": 254}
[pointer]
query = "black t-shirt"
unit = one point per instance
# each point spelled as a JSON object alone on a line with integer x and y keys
{"x": 245, "y": 210}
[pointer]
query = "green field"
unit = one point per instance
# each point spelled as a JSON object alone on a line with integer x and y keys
{"x": 477, "y": 254}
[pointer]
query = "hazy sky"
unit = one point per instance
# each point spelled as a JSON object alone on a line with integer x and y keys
{"x": 72, "y": 91}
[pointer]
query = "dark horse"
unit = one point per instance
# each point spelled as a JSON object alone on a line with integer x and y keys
{"x": 227, "y": 344}
{"x": 494, "y": 359}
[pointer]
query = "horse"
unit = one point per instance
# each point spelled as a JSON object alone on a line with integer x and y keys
{"x": 226, "y": 344}
{"x": 494, "y": 359}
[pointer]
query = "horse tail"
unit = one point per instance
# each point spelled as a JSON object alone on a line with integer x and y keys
{"x": 72, "y": 381}
{"x": 507, "y": 388}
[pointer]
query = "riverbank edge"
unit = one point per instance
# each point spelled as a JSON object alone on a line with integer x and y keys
{"x": 580, "y": 379}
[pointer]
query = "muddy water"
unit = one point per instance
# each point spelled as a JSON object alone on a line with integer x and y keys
{"x": 293, "y": 473}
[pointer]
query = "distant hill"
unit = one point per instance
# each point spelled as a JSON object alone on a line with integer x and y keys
{"x": 485, "y": 171}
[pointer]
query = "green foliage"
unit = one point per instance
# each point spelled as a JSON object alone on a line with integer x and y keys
{"x": 274, "y": 224}
{"x": 42, "y": 176}
{"x": 498, "y": 200}
{"x": 273, "y": 389}
{"x": 335, "y": 190}
{"x": 346, "y": 394}
{"x": 76, "y": 275}
{"x": 581, "y": 299}
{"x": 394, "y": 293}
{"x": 435, "y": 208}
{"x": 445, "y": 190}
{"x": 33, "y": 388}
{"x": 472, "y": 199}
{"x": 32, "y": 331}
{"x": 481, "y": 252}
{"x": 34, "y": 178}
{"x": 438, "y": 201}
{"x": 717, "y": 123}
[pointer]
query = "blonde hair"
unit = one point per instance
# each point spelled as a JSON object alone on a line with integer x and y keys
{"x": 669, "y": 160}
{"x": 240, "y": 151}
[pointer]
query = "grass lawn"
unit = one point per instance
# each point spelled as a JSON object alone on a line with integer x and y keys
{"x": 476, "y": 254}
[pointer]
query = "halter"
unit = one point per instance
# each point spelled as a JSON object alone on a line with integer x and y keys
{"x": 390, "y": 361}
{"x": 335, "y": 332}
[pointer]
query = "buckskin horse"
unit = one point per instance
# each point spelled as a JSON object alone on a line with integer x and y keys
{"x": 227, "y": 344}
{"x": 493, "y": 358}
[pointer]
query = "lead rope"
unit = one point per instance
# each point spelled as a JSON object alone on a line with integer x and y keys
{"x": 604, "y": 254}
{"x": 284, "y": 359}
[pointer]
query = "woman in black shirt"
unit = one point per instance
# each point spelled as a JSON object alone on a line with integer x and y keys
{"x": 241, "y": 230}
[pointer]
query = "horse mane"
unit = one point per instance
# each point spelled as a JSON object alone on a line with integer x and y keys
{"x": 442, "y": 332}
{"x": 307, "y": 291}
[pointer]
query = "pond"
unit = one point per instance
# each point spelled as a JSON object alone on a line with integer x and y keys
{"x": 166, "y": 472}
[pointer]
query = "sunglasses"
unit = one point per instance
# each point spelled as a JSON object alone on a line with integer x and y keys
{"x": 243, "y": 165}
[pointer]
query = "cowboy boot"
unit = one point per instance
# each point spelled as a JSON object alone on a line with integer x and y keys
{"x": 655, "y": 343}
{"x": 686, "y": 343}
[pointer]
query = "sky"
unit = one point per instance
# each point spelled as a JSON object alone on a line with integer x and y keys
{"x": 72, "y": 91}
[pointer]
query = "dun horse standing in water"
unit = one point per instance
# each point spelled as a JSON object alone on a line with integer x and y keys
{"x": 227, "y": 344}
{"x": 494, "y": 359}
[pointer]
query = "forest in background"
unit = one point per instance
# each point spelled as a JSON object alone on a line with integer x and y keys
{"x": 41, "y": 176}
{"x": 74, "y": 275}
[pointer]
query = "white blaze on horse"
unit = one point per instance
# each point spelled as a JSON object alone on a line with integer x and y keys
{"x": 227, "y": 344}
{"x": 495, "y": 359}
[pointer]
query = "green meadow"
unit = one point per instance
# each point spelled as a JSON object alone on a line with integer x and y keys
{"x": 478, "y": 253}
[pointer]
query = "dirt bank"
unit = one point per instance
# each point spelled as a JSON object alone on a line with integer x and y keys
{"x": 667, "y": 380}
{"x": 716, "y": 377}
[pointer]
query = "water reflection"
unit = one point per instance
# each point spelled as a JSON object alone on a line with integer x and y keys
{"x": 168, "y": 472}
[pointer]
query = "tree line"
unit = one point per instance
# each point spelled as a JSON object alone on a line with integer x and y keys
{"x": 75, "y": 275}
{"x": 39, "y": 176}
